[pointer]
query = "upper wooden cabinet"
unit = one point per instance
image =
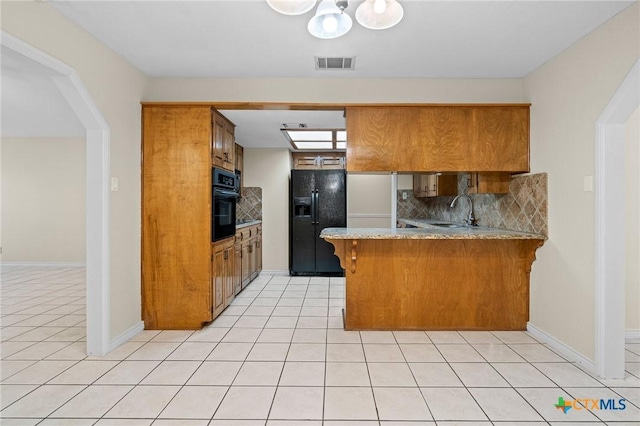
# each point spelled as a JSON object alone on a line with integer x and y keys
{"x": 488, "y": 183}
{"x": 318, "y": 160}
{"x": 176, "y": 217}
{"x": 432, "y": 185}
{"x": 223, "y": 143}
{"x": 438, "y": 138}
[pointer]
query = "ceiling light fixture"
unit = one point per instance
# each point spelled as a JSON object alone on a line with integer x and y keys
{"x": 379, "y": 14}
{"x": 330, "y": 21}
{"x": 292, "y": 7}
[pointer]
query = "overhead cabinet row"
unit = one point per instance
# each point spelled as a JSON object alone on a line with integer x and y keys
{"x": 438, "y": 138}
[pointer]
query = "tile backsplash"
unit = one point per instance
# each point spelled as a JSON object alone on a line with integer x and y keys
{"x": 524, "y": 208}
{"x": 249, "y": 206}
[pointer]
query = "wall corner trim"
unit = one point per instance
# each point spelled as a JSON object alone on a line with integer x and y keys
{"x": 126, "y": 336}
{"x": 563, "y": 349}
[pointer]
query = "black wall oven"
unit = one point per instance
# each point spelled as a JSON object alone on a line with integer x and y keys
{"x": 223, "y": 206}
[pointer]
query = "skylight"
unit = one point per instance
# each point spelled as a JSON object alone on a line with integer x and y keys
{"x": 316, "y": 139}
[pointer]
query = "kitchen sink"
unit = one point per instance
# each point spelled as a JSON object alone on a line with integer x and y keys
{"x": 449, "y": 225}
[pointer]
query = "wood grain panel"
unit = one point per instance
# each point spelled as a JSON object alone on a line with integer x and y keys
{"x": 176, "y": 217}
{"x": 489, "y": 183}
{"x": 500, "y": 140}
{"x": 437, "y": 284}
{"x": 442, "y": 138}
{"x": 407, "y": 138}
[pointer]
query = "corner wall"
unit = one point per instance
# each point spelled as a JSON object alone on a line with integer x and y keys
{"x": 270, "y": 169}
{"x": 568, "y": 94}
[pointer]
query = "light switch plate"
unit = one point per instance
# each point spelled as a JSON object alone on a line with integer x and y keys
{"x": 588, "y": 184}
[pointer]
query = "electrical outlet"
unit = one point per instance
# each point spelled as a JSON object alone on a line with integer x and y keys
{"x": 404, "y": 195}
{"x": 588, "y": 184}
{"x": 114, "y": 184}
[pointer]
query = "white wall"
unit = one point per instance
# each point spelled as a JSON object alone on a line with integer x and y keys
{"x": 568, "y": 94}
{"x": 369, "y": 200}
{"x": 338, "y": 90}
{"x": 43, "y": 200}
{"x": 270, "y": 169}
{"x": 117, "y": 89}
{"x": 632, "y": 222}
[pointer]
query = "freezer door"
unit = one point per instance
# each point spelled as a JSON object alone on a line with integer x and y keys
{"x": 331, "y": 212}
{"x": 302, "y": 250}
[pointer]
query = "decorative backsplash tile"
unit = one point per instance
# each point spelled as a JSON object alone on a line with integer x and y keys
{"x": 249, "y": 206}
{"x": 524, "y": 208}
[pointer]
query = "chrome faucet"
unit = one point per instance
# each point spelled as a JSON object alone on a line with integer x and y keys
{"x": 470, "y": 220}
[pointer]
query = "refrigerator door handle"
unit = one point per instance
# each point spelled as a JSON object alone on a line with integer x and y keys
{"x": 317, "y": 203}
{"x": 313, "y": 207}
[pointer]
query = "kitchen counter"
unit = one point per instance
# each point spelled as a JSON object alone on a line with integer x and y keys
{"x": 427, "y": 232}
{"x": 240, "y": 225}
{"x": 435, "y": 278}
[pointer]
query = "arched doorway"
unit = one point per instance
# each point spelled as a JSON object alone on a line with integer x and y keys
{"x": 610, "y": 242}
{"x": 97, "y": 199}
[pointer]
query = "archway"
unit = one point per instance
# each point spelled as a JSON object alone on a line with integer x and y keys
{"x": 97, "y": 199}
{"x": 610, "y": 252}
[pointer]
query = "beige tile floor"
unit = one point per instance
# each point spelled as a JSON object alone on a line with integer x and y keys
{"x": 278, "y": 356}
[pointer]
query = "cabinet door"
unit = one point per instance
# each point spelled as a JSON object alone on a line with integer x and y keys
{"x": 218, "y": 279}
{"x": 239, "y": 160}
{"x": 253, "y": 264}
{"x": 176, "y": 217}
{"x": 259, "y": 251}
{"x": 217, "y": 159}
{"x": 432, "y": 185}
{"x": 237, "y": 268}
{"x": 228, "y": 147}
{"x": 246, "y": 271}
{"x": 488, "y": 183}
{"x": 229, "y": 293}
{"x": 500, "y": 139}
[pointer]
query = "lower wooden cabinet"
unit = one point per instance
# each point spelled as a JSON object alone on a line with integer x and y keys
{"x": 222, "y": 267}
{"x": 248, "y": 249}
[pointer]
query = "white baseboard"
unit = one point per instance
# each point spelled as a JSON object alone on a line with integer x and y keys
{"x": 46, "y": 264}
{"x": 124, "y": 337}
{"x": 631, "y": 334}
{"x": 275, "y": 272}
{"x": 562, "y": 348}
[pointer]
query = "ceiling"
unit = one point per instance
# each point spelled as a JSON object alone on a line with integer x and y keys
{"x": 246, "y": 38}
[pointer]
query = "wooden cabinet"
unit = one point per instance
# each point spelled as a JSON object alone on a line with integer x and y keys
{"x": 239, "y": 160}
{"x": 237, "y": 265}
{"x": 488, "y": 183}
{"x": 258, "y": 248}
{"x": 223, "y": 143}
{"x": 176, "y": 217}
{"x": 318, "y": 160}
{"x": 248, "y": 248}
{"x": 222, "y": 266}
{"x": 438, "y": 138}
{"x": 434, "y": 185}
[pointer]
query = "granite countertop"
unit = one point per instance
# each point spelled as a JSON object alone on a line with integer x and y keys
{"x": 240, "y": 225}
{"x": 426, "y": 230}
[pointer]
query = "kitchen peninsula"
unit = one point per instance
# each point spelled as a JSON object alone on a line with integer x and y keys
{"x": 434, "y": 277}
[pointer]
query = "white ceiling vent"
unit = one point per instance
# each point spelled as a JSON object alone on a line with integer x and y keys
{"x": 326, "y": 63}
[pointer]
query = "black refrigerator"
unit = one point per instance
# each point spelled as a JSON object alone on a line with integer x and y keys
{"x": 318, "y": 200}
